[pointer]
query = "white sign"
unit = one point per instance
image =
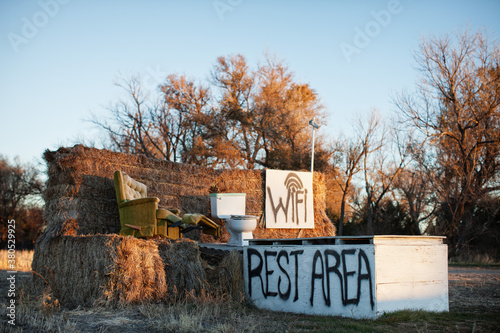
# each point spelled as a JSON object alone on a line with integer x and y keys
{"x": 289, "y": 200}
{"x": 392, "y": 273}
{"x": 324, "y": 280}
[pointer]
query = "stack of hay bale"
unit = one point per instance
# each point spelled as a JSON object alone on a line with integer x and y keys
{"x": 83, "y": 260}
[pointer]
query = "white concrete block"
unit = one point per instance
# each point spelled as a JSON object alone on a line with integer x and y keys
{"x": 384, "y": 273}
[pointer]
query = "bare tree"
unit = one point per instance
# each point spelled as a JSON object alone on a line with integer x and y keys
{"x": 182, "y": 119}
{"x": 20, "y": 186}
{"x": 348, "y": 157}
{"x": 371, "y": 136}
{"x": 415, "y": 184}
{"x": 17, "y": 182}
{"x": 232, "y": 136}
{"x": 129, "y": 127}
{"x": 456, "y": 105}
{"x": 163, "y": 127}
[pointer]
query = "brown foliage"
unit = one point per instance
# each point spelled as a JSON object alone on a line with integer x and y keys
{"x": 242, "y": 118}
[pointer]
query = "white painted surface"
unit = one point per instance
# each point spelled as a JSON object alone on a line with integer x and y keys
{"x": 289, "y": 200}
{"x": 411, "y": 276}
{"x": 405, "y": 240}
{"x": 223, "y": 205}
{"x": 312, "y": 279}
{"x": 428, "y": 296}
{"x": 298, "y": 278}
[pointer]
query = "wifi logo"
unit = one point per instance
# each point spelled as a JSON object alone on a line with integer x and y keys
{"x": 289, "y": 200}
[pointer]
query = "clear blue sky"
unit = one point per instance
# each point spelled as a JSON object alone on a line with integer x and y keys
{"x": 59, "y": 58}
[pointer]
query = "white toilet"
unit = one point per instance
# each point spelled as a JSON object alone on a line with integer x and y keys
{"x": 230, "y": 207}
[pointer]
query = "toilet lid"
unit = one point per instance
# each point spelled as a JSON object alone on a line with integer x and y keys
{"x": 243, "y": 217}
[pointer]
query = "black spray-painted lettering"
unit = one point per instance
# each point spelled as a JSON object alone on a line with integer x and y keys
{"x": 269, "y": 272}
{"x": 316, "y": 276}
{"x": 333, "y": 269}
{"x": 296, "y": 255}
{"x": 325, "y": 271}
{"x": 255, "y": 272}
{"x": 365, "y": 276}
{"x": 286, "y": 294}
{"x": 346, "y": 277}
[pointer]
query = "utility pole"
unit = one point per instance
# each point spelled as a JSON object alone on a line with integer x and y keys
{"x": 315, "y": 126}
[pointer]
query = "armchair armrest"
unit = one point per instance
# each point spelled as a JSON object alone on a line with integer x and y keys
{"x": 140, "y": 201}
{"x": 163, "y": 214}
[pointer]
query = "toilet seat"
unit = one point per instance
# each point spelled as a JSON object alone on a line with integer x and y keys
{"x": 243, "y": 217}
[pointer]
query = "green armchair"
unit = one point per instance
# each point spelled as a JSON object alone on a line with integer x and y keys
{"x": 140, "y": 216}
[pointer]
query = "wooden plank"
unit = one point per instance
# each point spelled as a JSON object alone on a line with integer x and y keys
{"x": 394, "y": 263}
{"x": 408, "y": 240}
{"x": 428, "y": 296}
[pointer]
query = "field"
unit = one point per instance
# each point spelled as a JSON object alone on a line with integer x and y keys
{"x": 474, "y": 294}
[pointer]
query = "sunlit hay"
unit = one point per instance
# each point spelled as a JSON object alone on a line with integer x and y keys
{"x": 138, "y": 274}
{"x": 80, "y": 186}
{"x": 104, "y": 269}
{"x": 183, "y": 268}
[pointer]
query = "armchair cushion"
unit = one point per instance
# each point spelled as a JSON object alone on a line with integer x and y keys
{"x": 127, "y": 188}
{"x": 163, "y": 214}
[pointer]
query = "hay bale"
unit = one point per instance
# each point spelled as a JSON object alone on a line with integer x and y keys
{"x": 138, "y": 271}
{"x": 106, "y": 269}
{"x": 85, "y": 175}
{"x": 183, "y": 267}
{"x": 224, "y": 273}
{"x": 115, "y": 270}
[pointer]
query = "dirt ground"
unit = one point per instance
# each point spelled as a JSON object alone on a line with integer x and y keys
{"x": 472, "y": 291}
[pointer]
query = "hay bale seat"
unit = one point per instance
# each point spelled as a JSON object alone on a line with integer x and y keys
{"x": 115, "y": 270}
{"x": 85, "y": 262}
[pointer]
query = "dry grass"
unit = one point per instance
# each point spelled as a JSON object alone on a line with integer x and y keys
{"x": 37, "y": 312}
{"x": 23, "y": 260}
{"x": 474, "y": 259}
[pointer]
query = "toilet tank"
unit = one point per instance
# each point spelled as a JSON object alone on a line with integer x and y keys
{"x": 223, "y": 205}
